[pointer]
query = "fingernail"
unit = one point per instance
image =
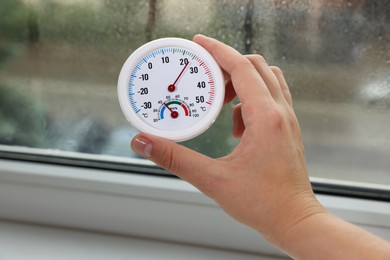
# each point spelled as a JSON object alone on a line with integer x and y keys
{"x": 202, "y": 35}
{"x": 142, "y": 146}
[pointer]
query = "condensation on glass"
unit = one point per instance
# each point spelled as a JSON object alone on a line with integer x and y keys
{"x": 59, "y": 62}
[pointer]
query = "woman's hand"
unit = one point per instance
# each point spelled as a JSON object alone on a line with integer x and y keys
{"x": 263, "y": 183}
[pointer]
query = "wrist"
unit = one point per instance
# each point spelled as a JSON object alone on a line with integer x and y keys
{"x": 302, "y": 214}
{"x": 294, "y": 240}
{"x": 325, "y": 236}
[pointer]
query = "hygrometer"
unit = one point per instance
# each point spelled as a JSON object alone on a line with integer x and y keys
{"x": 172, "y": 88}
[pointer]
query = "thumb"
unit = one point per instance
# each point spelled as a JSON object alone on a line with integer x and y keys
{"x": 187, "y": 164}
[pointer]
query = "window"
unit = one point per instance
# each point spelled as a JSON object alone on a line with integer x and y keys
{"x": 59, "y": 62}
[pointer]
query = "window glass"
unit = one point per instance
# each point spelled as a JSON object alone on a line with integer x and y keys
{"x": 59, "y": 63}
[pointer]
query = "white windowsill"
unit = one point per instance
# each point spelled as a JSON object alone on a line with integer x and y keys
{"x": 159, "y": 208}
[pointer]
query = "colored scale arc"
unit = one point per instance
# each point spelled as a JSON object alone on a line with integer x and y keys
{"x": 186, "y": 112}
{"x": 153, "y": 54}
{"x": 211, "y": 81}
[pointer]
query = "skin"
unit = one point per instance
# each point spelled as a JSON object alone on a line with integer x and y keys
{"x": 263, "y": 182}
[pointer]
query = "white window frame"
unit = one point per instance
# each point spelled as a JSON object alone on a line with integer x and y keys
{"x": 148, "y": 206}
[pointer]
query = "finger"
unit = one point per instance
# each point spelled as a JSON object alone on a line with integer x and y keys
{"x": 247, "y": 82}
{"x": 175, "y": 158}
{"x": 238, "y": 123}
{"x": 230, "y": 94}
{"x": 226, "y": 76}
{"x": 267, "y": 75}
{"x": 283, "y": 84}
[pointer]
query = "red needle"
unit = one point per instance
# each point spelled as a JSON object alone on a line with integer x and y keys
{"x": 174, "y": 114}
{"x": 172, "y": 87}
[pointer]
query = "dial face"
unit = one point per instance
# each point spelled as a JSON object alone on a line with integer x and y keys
{"x": 171, "y": 88}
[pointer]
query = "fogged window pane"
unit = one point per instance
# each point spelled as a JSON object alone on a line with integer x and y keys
{"x": 59, "y": 62}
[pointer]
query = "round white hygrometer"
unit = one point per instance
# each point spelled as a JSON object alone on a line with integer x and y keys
{"x": 171, "y": 87}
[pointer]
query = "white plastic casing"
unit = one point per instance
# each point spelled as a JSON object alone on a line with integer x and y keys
{"x": 181, "y": 134}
